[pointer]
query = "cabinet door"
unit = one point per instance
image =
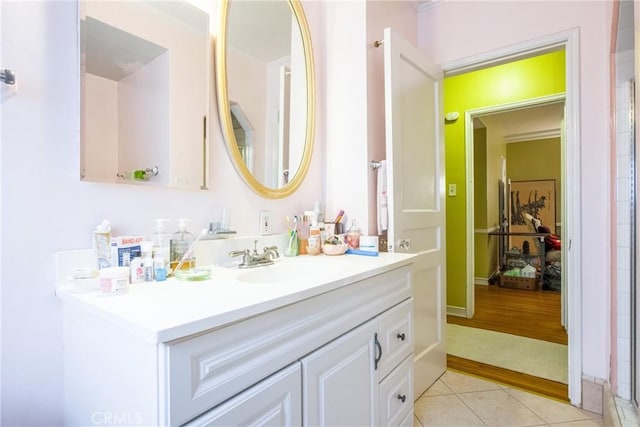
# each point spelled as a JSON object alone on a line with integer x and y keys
{"x": 339, "y": 381}
{"x": 274, "y": 401}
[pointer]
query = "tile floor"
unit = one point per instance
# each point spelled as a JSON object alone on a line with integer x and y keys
{"x": 461, "y": 400}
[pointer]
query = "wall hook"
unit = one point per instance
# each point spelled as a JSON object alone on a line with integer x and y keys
{"x": 7, "y": 76}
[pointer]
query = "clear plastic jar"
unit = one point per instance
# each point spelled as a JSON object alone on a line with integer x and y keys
{"x": 353, "y": 236}
{"x": 114, "y": 280}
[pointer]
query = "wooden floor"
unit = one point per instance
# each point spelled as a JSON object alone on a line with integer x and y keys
{"x": 532, "y": 314}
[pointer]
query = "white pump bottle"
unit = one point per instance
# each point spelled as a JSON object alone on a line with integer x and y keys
{"x": 161, "y": 242}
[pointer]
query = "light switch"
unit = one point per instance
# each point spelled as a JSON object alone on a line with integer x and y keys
{"x": 452, "y": 190}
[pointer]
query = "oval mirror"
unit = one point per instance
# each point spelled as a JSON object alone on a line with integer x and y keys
{"x": 266, "y": 92}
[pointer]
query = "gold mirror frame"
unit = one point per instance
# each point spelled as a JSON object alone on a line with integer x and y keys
{"x": 225, "y": 110}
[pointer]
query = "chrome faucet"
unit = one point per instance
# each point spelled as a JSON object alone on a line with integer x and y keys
{"x": 254, "y": 259}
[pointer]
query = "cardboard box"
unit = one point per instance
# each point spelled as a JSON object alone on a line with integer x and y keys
{"x": 529, "y": 283}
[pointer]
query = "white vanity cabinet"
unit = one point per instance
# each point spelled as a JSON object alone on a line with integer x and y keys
{"x": 353, "y": 381}
{"x": 340, "y": 357}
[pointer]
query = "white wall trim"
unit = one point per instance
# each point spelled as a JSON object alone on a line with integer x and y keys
{"x": 533, "y": 136}
{"x": 571, "y": 177}
{"x": 486, "y": 230}
{"x": 484, "y": 281}
{"x": 452, "y": 310}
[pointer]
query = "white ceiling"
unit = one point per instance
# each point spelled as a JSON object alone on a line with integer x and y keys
{"x": 526, "y": 124}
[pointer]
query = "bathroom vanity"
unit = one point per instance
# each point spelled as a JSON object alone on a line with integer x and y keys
{"x": 308, "y": 341}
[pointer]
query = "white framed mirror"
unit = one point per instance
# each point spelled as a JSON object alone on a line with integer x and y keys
{"x": 145, "y": 74}
{"x": 266, "y": 92}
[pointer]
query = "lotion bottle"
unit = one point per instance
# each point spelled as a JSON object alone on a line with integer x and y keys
{"x": 161, "y": 242}
{"x": 147, "y": 259}
{"x": 102, "y": 245}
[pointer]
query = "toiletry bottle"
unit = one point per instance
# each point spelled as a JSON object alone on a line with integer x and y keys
{"x": 303, "y": 235}
{"x": 160, "y": 269}
{"x": 161, "y": 242}
{"x": 136, "y": 270}
{"x": 102, "y": 245}
{"x": 314, "y": 239}
{"x": 180, "y": 242}
{"x": 147, "y": 259}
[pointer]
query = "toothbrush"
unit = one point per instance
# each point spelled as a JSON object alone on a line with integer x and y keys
{"x": 187, "y": 254}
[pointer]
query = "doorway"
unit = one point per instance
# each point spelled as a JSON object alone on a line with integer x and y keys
{"x": 519, "y": 330}
{"x": 568, "y": 43}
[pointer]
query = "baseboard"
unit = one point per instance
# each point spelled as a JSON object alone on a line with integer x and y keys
{"x": 593, "y": 394}
{"x": 481, "y": 281}
{"x": 609, "y": 411}
{"x": 456, "y": 311}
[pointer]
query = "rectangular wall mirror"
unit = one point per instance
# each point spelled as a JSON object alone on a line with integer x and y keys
{"x": 145, "y": 70}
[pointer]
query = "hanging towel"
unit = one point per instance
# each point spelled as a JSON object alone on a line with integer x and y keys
{"x": 381, "y": 195}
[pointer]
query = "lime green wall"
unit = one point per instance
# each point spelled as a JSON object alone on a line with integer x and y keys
{"x": 516, "y": 81}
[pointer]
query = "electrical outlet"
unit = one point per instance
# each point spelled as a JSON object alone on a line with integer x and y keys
{"x": 265, "y": 223}
{"x": 452, "y": 190}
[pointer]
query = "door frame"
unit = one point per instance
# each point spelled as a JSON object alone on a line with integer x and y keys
{"x": 470, "y": 185}
{"x": 571, "y": 173}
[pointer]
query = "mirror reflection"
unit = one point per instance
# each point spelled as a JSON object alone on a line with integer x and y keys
{"x": 144, "y": 77}
{"x": 266, "y": 92}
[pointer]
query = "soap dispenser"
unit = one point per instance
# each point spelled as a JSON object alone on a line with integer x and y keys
{"x": 180, "y": 242}
{"x": 161, "y": 242}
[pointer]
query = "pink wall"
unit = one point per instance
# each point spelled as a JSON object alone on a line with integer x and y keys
{"x": 47, "y": 209}
{"x": 454, "y": 30}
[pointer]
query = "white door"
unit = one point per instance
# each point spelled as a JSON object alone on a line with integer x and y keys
{"x": 339, "y": 381}
{"x": 415, "y": 188}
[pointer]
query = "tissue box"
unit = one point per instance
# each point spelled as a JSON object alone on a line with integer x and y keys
{"x": 369, "y": 243}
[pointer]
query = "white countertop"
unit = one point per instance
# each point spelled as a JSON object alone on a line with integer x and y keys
{"x": 164, "y": 311}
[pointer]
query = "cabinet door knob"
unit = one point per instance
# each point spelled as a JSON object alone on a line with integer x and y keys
{"x": 402, "y": 397}
{"x": 401, "y": 337}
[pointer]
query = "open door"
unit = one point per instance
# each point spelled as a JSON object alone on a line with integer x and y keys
{"x": 415, "y": 188}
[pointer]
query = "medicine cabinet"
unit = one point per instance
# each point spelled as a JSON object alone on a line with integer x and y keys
{"x": 145, "y": 70}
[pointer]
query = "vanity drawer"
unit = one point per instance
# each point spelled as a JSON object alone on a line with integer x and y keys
{"x": 395, "y": 336}
{"x": 396, "y": 394}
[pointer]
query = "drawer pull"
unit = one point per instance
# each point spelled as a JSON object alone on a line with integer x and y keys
{"x": 402, "y": 397}
{"x": 379, "y": 351}
{"x": 402, "y": 337}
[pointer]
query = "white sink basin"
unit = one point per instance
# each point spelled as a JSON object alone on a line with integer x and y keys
{"x": 295, "y": 270}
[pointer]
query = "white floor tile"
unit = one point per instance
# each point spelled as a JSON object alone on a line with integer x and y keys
{"x": 499, "y": 408}
{"x": 445, "y": 410}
